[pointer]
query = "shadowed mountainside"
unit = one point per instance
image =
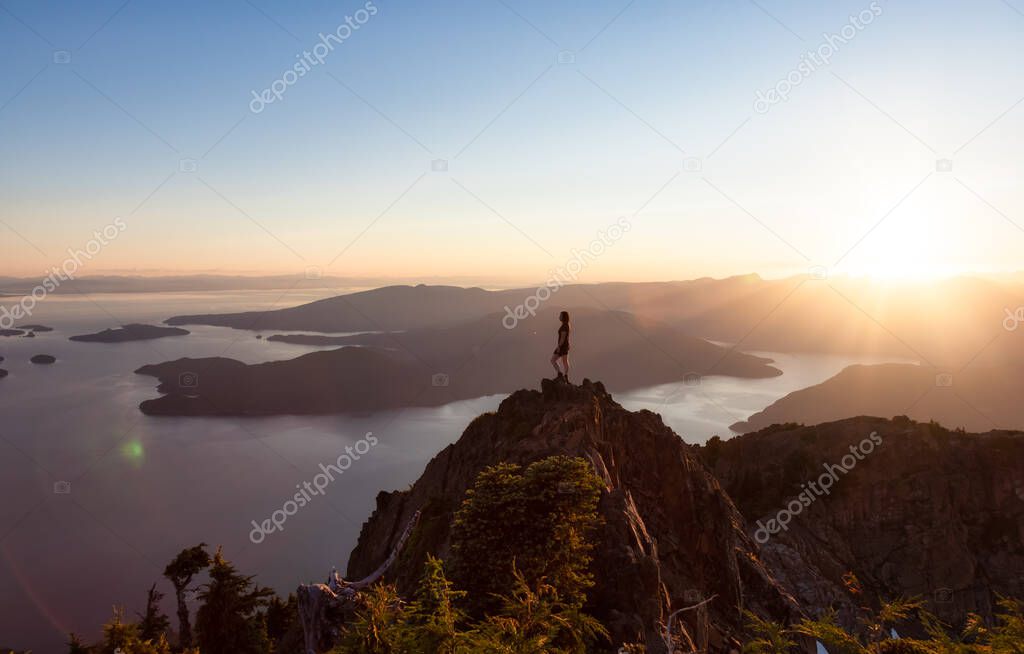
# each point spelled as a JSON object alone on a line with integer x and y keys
{"x": 429, "y": 367}
{"x": 978, "y": 398}
{"x": 927, "y": 512}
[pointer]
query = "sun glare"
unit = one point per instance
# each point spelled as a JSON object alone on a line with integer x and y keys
{"x": 904, "y": 271}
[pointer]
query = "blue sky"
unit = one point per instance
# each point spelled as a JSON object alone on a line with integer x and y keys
{"x": 541, "y": 154}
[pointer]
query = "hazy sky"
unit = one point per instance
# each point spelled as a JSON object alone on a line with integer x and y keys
{"x": 649, "y": 114}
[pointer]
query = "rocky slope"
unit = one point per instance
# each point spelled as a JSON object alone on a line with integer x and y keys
{"x": 671, "y": 537}
{"x": 927, "y": 512}
{"x": 911, "y": 509}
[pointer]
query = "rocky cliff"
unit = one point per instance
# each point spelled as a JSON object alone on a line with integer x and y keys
{"x": 672, "y": 537}
{"x": 914, "y": 509}
{"x": 772, "y": 522}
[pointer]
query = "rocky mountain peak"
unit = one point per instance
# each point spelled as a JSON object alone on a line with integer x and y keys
{"x": 671, "y": 537}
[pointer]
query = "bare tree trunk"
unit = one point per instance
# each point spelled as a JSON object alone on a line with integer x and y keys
{"x": 184, "y": 626}
{"x": 321, "y": 605}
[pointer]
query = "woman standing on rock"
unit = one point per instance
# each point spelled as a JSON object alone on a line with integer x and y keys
{"x": 562, "y": 351}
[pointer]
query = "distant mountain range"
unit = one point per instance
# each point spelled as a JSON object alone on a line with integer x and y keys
{"x": 977, "y": 399}
{"x": 433, "y": 366}
{"x": 312, "y": 279}
{"x": 942, "y": 324}
{"x": 965, "y": 326}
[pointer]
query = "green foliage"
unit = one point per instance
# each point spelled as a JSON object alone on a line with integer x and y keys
{"x": 154, "y": 623}
{"x": 230, "y": 620}
{"x": 780, "y": 426}
{"x": 522, "y": 542}
{"x": 282, "y": 619}
{"x": 75, "y": 644}
{"x": 378, "y": 626}
{"x": 188, "y": 563}
{"x": 531, "y": 620}
{"x": 771, "y": 637}
{"x": 235, "y": 616}
{"x": 432, "y": 621}
{"x": 120, "y": 637}
{"x": 712, "y": 450}
{"x": 1006, "y": 637}
{"x": 534, "y": 620}
{"x": 836, "y": 639}
{"x": 900, "y": 646}
{"x": 540, "y": 519}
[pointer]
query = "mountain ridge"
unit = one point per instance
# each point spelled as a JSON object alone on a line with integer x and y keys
{"x": 674, "y": 535}
{"x": 657, "y": 551}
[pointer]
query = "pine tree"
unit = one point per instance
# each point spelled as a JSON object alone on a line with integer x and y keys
{"x": 534, "y": 620}
{"x": 283, "y": 622}
{"x": 180, "y": 572}
{"x": 120, "y": 637}
{"x": 154, "y": 623}
{"x": 118, "y": 634}
{"x": 772, "y": 638}
{"x": 542, "y": 519}
{"x": 432, "y": 621}
{"x": 230, "y": 620}
{"x": 75, "y": 645}
{"x": 376, "y": 629}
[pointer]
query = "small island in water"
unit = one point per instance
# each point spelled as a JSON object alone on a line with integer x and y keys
{"x": 133, "y": 332}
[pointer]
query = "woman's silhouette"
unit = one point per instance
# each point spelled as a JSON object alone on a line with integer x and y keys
{"x": 562, "y": 351}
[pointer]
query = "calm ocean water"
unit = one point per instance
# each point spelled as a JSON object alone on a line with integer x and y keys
{"x": 142, "y": 488}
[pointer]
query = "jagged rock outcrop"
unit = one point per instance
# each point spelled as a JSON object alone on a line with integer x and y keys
{"x": 671, "y": 535}
{"x": 928, "y": 512}
{"x": 911, "y": 509}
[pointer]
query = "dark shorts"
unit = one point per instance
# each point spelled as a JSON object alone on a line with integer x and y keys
{"x": 562, "y": 351}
